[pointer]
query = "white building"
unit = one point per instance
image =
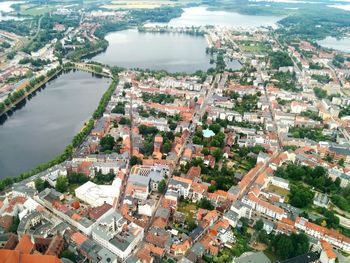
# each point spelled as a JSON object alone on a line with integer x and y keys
{"x": 117, "y": 235}
{"x": 280, "y": 182}
{"x": 96, "y": 195}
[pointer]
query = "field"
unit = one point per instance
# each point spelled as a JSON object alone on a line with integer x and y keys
{"x": 278, "y": 190}
{"x": 189, "y": 209}
{"x": 254, "y": 47}
{"x": 36, "y": 10}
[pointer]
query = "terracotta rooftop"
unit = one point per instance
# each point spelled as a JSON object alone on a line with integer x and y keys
{"x": 25, "y": 245}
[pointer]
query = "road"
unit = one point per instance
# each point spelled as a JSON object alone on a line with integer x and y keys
{"x": 199, "y": 116}
{"x": 39, "y": 27}
{"x": 125, "y": 181}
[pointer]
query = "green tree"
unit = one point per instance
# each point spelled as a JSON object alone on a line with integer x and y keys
{"x": 162, "y": 186}
{"x": 135, "y": 160}
{"x": 285, "y": 246}
{"x": 218, "y": 153}
{"x": 62, "y": 184}
{"x": 166, "y": 147}
{"x": 68, "y": 254}
{"x": 14, "y": 226}
{"x": 107, "y": 143}
{"x": 341, "y": 162}
{"x": 39, "y": 184}
{"x": 300, "y": 196}
{"x": 205, "y": 204}
{"x": 259, "y": 225}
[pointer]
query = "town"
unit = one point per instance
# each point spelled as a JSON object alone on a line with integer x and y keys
{"x": 229, "y": 165}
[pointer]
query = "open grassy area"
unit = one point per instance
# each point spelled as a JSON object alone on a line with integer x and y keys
{"x": 278, "y": 190}
{"x": 36, "y": 10}
{"x": 189, "y": 209}
{"x": 254, "y": 47}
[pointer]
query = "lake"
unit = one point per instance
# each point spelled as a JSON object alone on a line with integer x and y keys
{"x": 46, "y": 124}
{"x": 201, "y": 16}
{"x": 6, "y": 7}
{"x": 334, "y": 43}
{"x": 173, "y": 52}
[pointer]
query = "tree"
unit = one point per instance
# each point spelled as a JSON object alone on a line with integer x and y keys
{"x": 259, "y": 225}
{"x": 205, "y": 204}
{"x": 61, "y": 184}
{"x": 68, "y": 254}
{"x": 320, "y": 93}
{"x": 341, "y": 162}
{"x": 166, "y": 147}
{"x": 39, "y": 184}
{"x": 285, "y": 246}
{"x": 107, "y": 143}
{"x": 300, "y": 196}
{"x": 263, "y": 237}
{"x": 14, "y": 226}
{"x": 217, "y": 154}
{"x": 135, "y": 160}
{"x": 162, "y": 186}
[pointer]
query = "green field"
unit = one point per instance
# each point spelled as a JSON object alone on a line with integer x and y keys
{"x": 36, "y": 10}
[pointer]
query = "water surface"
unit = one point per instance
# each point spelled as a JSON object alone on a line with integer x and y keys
{"x": 5, "y": 7}
{"x": 42, "y": 128}
{"x": 201, "y": 16}
{"x": 173, "y": 52}
{"x": 337, "y": 44}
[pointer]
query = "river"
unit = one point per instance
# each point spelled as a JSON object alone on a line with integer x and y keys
{"x": 41, "y": 129}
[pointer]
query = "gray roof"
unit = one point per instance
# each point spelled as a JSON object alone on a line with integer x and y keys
{"x": 106, "y": 256}
{"x": 175, "y": 183}
{"x": 198, "y": 249}
{"x": 139, "y": 179}
{"x": 253, "y": 258}
{"x": 231, "y": 215}
{"x": 163, "y": 212}
{"x": 131, "y": 259}
{"x": 121, "y": 240}
{"x": 342, "y": 150}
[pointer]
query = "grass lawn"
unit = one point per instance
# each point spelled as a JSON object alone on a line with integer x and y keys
{"x": 278, "y": 190}
{"x": 36, "y": 10}
{"x": 189, "y": 209}
{"x": 72, "y": 187}
{"x": 255, "y": 47}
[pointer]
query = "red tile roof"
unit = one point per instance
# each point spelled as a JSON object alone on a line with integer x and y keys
{"x": 25, "y": 245}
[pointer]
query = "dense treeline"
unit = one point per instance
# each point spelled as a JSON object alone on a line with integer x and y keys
{"x": 316, "y": 177}
{"x": 317, "y": 23}
{"x": 34, "y": 62}
{"x": 280, "y": 59}
{"x": 160, "y": 15}
{"x": 110, "y": 26}
{"x": 20, "y": 28}
{"x": 289, "y": 246}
